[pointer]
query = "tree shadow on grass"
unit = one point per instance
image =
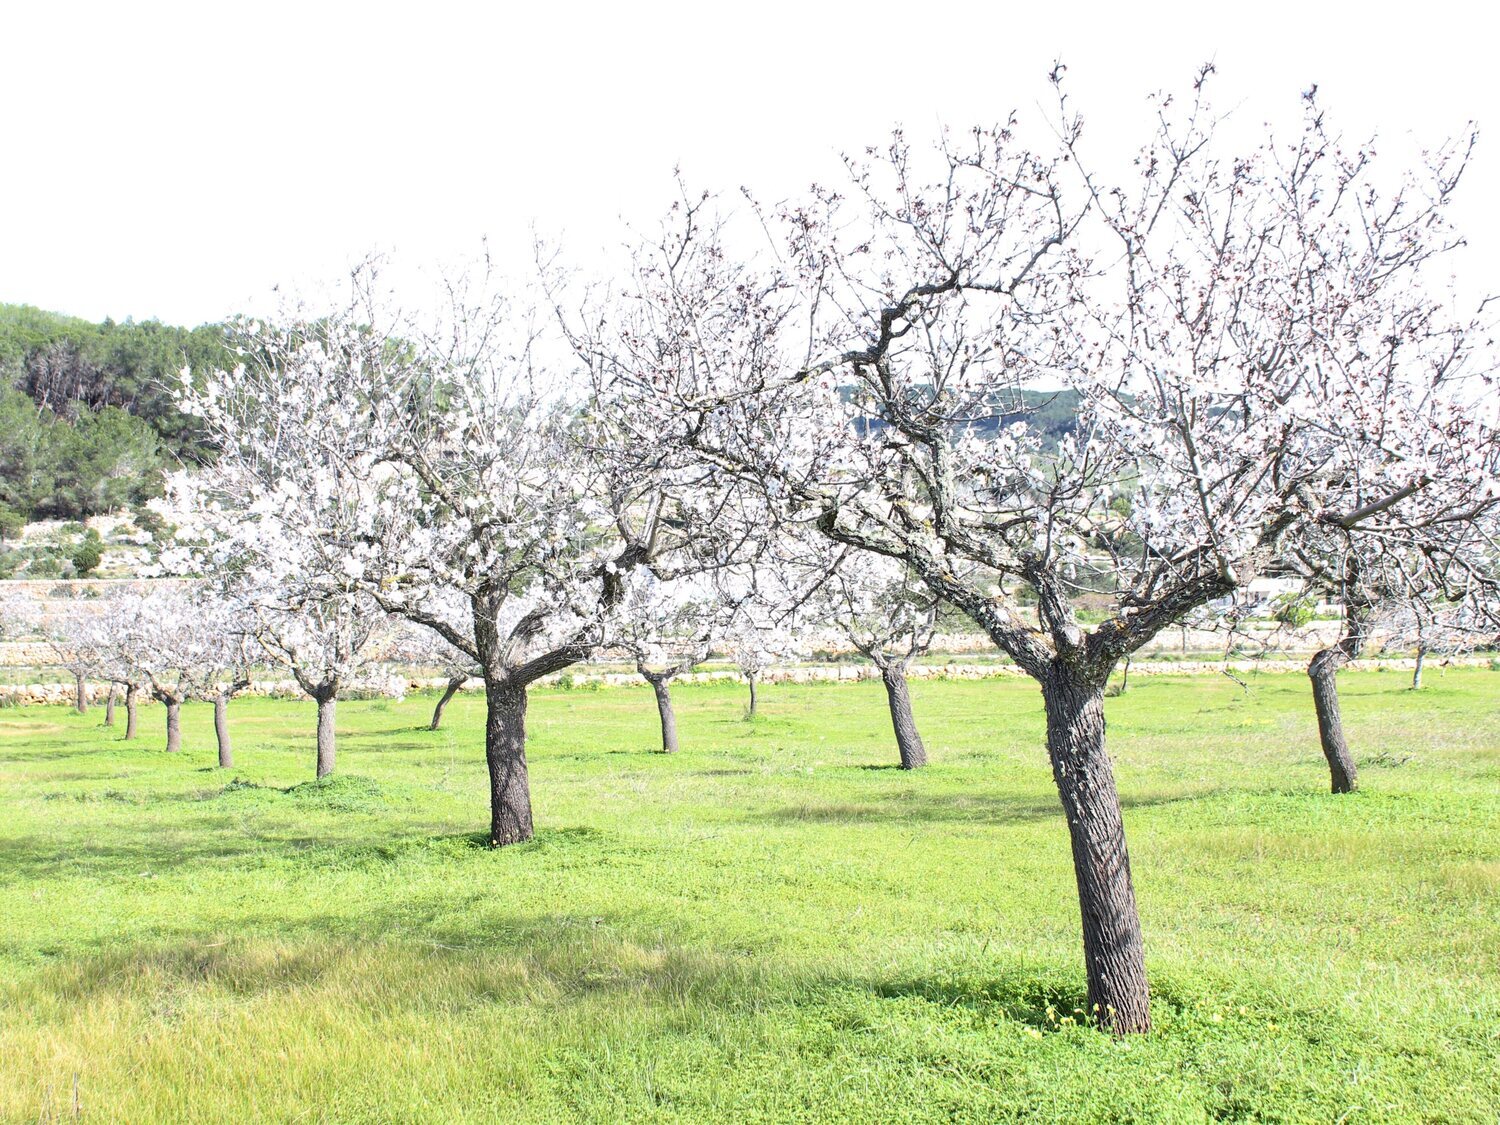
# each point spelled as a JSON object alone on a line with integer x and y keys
{"x": 917, "y": 808}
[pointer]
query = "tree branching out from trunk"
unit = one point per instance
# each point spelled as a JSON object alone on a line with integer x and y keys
{"x": 432, "y": 468}
{"x": 1248, "y": 339}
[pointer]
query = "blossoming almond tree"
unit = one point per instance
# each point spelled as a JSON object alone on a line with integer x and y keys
{"x": 889, "y": 615}
{"x": 421, "y": 646}
{"x": 668, "y": 628}
{"x": 169, "y": 642}
{"x": 1439, "y": 592}
{"x": 1255, "y": 347}
{"x": 438, "y": 470}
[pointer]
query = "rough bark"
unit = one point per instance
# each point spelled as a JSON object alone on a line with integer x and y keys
{"x": 1323, "y": 671}
{"x": 221, "y": 730}
{"x": 130, "y": 711}
{"x": 908, "y": 741}
{"x": 750, "y": 714}
{"x": 1416, "y": 672}
{"x": 109, "y": 707}
{"x": 327, "y": 708}
{"x": 454, "y": 683}
{"x": 174, "y": 723}
{"x": 1118, "y": 993}
{"x": 505, "y": 754}
{"x": 661, "y": 685}
{"x": 80, "y": 694}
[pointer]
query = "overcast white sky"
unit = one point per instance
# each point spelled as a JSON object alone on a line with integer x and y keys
{"x": 177, "y": 161}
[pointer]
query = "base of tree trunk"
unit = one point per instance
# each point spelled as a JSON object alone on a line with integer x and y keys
{"x": 327, "y": 711}
{"x": 909, "y": 746}
{"x": 505, "y": 756}
{"x": 1323, "y": 671}
{"x": 1119, "y": 997}
{"x": 130, "y": 711}
{"x": 454, "y": 683}
{"x": 221, "y": 731}
{"x": 661, "y": 687}
{"x": 174, "y": 725}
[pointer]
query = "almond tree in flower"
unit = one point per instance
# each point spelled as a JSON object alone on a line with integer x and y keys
{"x": 422, "y": 647}
{"x": 1259, "y": 346}
{"x": 271, "y": 520}
{"x": 168, "y": 640}
{"x": 890, "y": 616}
{"x": 668, "y": 628}
{"x": 437, "y": 470}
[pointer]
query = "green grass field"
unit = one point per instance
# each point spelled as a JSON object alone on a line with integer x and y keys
{"x": 772, "y": 925}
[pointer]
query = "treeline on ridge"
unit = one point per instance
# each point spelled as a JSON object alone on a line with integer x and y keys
{"x": 88, "y": 413}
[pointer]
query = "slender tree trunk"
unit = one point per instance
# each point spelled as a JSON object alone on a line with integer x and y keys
{"x": 505, "y": 754}
{"x": 109, "y": 706}
{"x": 1125, "y": 677}
{"x": 174, "y": 724}
{"x": 750, "y": 714}
{"x": 1323, "y": 672}
{"x": 221, "y": 730}
{"x": 80, "y": 694}
{"x": 662, "y": 686}
{"x": 327, "y": 707}
{"x": 454, "y": 683}
{"x": 130, "y": 692}
{"x": 1416, "y": 673}
{"x": 1118, "y": 994}
{"x": 908, "y": 741}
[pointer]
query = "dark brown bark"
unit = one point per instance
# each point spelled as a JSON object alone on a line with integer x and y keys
{"x": 174, "y": 723}
{"x": 1114, "y": 958}
{"x": 80, "y": 694}
{"x": 1323, "y": 671}
{"x": 130, "y": 711}
{"x": 750, "y": 714}
{"x": 908, "y": 741}
{"x": 109, "y": 707}
{"x": 454, "y": 683}
{"x": 327, "y": 709}
{"x": 505, "y": 754}
{"x": 661, "y": 686}
{"x": 221, "y": 730}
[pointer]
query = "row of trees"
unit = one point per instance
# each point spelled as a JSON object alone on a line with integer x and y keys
{"x": 828, "y": 403}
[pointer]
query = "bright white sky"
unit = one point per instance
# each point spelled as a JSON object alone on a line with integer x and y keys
{"x": 178, "y": 160}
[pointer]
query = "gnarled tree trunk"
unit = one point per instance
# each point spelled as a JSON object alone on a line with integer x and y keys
{"x": 505, "y": 755}
{"x": 80, "y": 694}
{"x": 1323, "y": 671}
{"x": 454, "y": 684}
{"x": 1416, "y": 672}
{"x": 1118, "y": 994}
{"x": 908, "y": 741}
{"x": 109, "y": 707}
{"x": 661, "y": 686}
{"x": 130, "y": 711}
{"x": 750, "y": 714}
{"x": 327, "y": 709}
{"x": 221, "y": 729}
{"x": 174, "y": 723}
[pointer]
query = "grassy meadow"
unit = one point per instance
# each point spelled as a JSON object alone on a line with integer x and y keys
{"x": 773, "y": 925}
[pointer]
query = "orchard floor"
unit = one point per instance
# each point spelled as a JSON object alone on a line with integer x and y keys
{"x": 772, "y": 925}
